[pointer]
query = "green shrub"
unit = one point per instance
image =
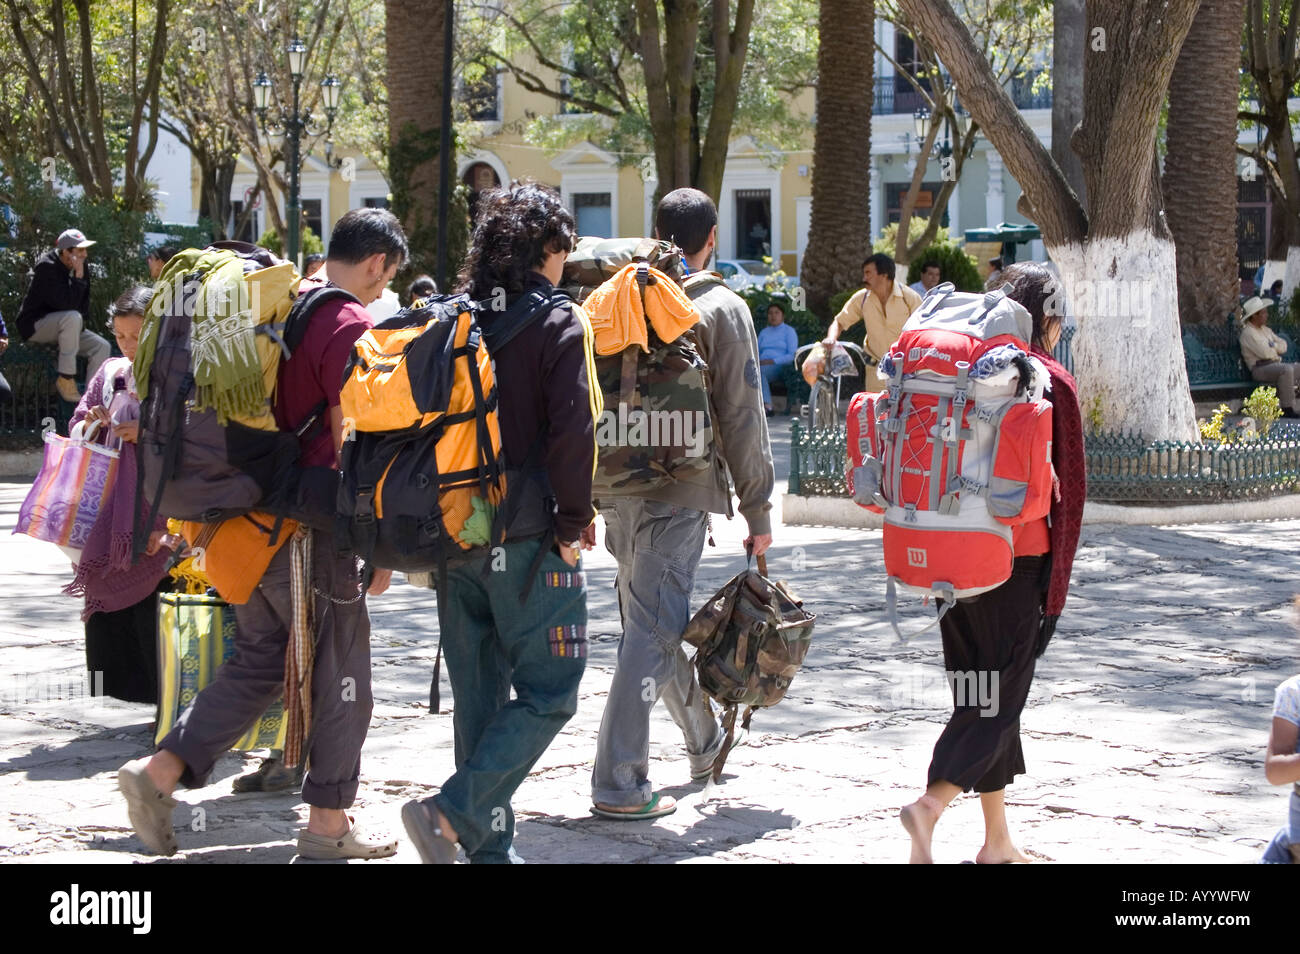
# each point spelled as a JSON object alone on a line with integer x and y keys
{"x": 309, "y": 242}
{"x": 954, "y": 266}
{"x": 1263, "y": 405}
{"x": 116, "y": 261}
{"x": 915, "y": 226}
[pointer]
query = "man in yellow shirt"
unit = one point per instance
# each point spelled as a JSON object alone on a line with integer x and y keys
{"x": 883, "y": 304}
{"x": 1262, "y": 350}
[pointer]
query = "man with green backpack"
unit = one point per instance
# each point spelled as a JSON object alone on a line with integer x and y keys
{"x": 657, "y": 535}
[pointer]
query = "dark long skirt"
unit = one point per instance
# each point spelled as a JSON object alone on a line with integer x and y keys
{"x": 123, "y": 646}
{"x": 988, "y": 655}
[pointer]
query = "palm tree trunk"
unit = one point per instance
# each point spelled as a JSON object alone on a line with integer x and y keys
{"x": 1200, "y": 178}
{"x": 839, "y": 234}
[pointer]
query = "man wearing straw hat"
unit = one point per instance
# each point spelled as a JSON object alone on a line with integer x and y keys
{"x": 1262, "y": 350}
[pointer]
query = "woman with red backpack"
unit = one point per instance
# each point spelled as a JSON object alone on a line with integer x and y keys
{"x": 998, "y": 635}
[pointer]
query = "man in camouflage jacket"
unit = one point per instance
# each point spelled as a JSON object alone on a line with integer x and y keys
{"x": 658, "y": 538}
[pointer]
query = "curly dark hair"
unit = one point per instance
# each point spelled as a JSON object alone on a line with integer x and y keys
{"x": 516, "y": 229}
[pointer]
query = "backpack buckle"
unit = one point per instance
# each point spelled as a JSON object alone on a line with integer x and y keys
{"x": 365, "y": 505}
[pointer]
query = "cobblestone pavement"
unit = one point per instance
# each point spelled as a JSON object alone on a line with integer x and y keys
{"x": 1144, "y": 734}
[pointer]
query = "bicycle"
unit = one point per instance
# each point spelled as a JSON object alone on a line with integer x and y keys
{"x": 824, "y": 400}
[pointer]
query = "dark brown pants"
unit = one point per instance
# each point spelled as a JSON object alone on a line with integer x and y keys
{"x": 253, "y": 678}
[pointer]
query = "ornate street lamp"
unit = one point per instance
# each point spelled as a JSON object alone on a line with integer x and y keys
{"x": 293, "y": 124}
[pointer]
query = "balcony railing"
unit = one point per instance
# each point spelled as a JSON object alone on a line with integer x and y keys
{"x": 895, "y": 95}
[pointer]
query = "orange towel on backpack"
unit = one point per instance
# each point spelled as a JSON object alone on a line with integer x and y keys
{"x": 618, "y": 318}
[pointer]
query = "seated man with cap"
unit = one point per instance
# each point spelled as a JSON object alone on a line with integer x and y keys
{"x": 56, "y": 307}
{"x": 1262, "y": 351}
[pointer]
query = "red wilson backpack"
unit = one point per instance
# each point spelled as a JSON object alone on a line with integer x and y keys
{"x": 958, "y": 448}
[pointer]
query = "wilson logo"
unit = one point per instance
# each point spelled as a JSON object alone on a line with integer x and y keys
{"x": 916, "y": 556}
{"x": 916, "y": 354}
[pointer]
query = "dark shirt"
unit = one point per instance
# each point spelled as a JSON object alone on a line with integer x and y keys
{"x": 542, "y": 377}
{"x": 53, "y": 289}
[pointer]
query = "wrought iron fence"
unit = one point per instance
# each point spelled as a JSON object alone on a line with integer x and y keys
{"x": 1121, "y": 468}
{"x": 31, "y": 370}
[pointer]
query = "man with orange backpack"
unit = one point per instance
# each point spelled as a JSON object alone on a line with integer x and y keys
{"x": 366, "y": 248}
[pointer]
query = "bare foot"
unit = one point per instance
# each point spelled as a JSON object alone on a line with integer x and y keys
{"x": 919, "y": 818}
{"x": 1001, "y": 855}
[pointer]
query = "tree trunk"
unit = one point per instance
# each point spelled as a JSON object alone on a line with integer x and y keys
{"x": 414, "y": 31}
{"x": 1200, "y": 178}
{"x": 1115, "y": 260}
{"x": 730, "y": 46}
{"x": 1069, "y": 38}
{"x": 839, "y": 234}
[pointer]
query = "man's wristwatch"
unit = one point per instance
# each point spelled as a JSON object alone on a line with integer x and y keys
{"x": 575, "y": 545}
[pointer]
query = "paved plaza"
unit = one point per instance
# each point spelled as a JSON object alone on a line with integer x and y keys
{"x": 1144, "y": 734}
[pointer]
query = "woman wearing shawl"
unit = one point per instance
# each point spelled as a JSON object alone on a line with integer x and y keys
{"x": 1004, "y": 631}
{"x": 121, "y": 611}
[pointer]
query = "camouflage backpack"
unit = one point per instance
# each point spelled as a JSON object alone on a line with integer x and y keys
{"x": 657, "y": 426}
{"x": 750, "y": 639}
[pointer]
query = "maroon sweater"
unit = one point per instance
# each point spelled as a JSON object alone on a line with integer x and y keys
{"x": 1068, "y": 461}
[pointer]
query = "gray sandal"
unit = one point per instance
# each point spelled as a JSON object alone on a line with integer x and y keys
{"x": 150, "y": 810}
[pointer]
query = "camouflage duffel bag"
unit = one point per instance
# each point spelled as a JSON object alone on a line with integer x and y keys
{"x": 750, "y": 639}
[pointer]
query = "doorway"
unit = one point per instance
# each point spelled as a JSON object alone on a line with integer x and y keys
{"x": 753, "y": 223}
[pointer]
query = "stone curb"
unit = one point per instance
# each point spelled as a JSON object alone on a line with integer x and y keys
{"x": 797, "y": 510}
{"x": 20, "y": 465}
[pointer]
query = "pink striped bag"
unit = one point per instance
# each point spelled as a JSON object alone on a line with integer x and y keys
{"x": 76, "y": 478}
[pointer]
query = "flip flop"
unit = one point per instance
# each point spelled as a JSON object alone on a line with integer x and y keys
{"x": 356, "y": 842}
{"x": 655, "y": 808}
{"x": 149, "y": 809}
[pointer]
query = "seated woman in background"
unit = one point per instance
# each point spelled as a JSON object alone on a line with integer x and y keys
{"x": 121, "y": 611}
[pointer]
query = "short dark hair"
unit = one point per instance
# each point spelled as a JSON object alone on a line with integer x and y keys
{"x": 365, "y": 232}
{"x": 685, "y": 217}
{"x": 517, "y": 228}
{"x": 314, "y": 258}
{"x": 931, "y": 263}
{"x": 1036, "y": 288}
{"x": 163, "y": 253}
{"x": 134, "y": 301}
{"x": 883, "y": 264}
{"x": 422, "y": 285}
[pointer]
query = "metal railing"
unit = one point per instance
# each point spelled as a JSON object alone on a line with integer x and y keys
{"x": 894, "y": 95}
{"x": 1121, "y": 468}
{"x": 31, "y": 370}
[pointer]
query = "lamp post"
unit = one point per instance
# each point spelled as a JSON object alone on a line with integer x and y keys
{"x": 922, "y": 119}
{"x": 293, "y": 123}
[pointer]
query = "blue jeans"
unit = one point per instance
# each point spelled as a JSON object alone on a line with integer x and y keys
{"x": 770, "y": 373}
{"x": 492, "y": 641}
{"x": 658, "y": 548}
{"x": 1284, "y": 849}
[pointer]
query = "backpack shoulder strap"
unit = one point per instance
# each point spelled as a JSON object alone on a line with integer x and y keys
{"x": 304, "y": 306}
{"x": 502, "y": 329}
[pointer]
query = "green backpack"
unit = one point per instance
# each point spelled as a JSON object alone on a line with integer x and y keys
{"x": 657, "y": 426}
{"x": 750, "y": 640}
